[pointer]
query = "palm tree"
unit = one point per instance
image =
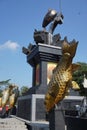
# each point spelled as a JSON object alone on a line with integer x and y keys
{"x": 5, "y": 82}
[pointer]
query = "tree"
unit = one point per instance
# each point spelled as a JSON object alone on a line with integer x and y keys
{"x": 23, "y": 90}
{"x": 3, "y": 83}
{"x": 0, "y": 92}
{"x": 78, "y": 76}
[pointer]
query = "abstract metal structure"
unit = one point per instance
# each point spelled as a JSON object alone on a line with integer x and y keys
{"x": 49, "y": 17}
{"x": 61, "y": 79}
{"x": 54, "y": 17}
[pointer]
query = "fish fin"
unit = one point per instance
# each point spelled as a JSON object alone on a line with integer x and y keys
{"x": 75, "y": 67}
{"x": 75, "y": 86}
{"x": 54, "y": 70}
{"x": 65, "y": 47}
{"x": 66, "y": 76}
{"x": 69, "y": 48}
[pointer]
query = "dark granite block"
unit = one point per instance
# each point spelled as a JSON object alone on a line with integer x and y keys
{"x": 24, "y": 109}
{"x": 56, "y": 119}
{"x": 74, "y": 123}
{"x": 40, "y": 110}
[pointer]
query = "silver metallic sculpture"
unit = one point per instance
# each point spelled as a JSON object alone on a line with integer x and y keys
{"x": 54, "y": 17}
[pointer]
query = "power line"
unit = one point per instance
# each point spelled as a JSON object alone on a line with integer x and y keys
{"x": 60, "y": 9}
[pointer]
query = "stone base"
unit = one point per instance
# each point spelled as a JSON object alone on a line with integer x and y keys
{"x": 56, "y": 119}
{"x": 31, "y": 107}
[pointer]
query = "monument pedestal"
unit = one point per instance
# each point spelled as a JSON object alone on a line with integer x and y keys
{"x": 56, "y": 119}
{"x": 43, "y": 58}
{"x": 31, "y": 107}
{"x": 40, "y": 58}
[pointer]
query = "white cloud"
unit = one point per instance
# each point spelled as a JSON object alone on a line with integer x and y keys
{"x": 9, "y": 45}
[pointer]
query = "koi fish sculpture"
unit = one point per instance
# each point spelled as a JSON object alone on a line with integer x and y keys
{"x": 5, "y": 95}
{"x": 13, "y": 98}
{"x": 61, "y": 79}
{"x": 9, "y": 95}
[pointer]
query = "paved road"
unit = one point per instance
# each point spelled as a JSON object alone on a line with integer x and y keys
{"x": 12, "y": 124}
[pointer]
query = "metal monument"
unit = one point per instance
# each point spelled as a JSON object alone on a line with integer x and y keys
{"x": 52, "y": 61}
{"x": 53, "y": 18}
{"x": 61, "y": 79}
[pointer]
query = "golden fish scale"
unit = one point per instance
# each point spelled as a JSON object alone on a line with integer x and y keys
{"x": 52, "y": 92}
{"x": 62, "y": 86}
{"x": 57, "y": 86}
{"x": 62, "y": 76}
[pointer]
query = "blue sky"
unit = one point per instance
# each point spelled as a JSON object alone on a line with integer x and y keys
{"x": 19, "y": 18}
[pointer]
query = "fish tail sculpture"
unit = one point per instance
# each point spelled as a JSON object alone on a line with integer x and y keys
{"x": 5, "y": 95}
{"x": 13, "y": 97}
{"x": 61, "y": 79}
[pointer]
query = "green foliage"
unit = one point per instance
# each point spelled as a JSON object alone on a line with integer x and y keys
{"x": 3, "y": 83}
{"x": 0, "y": 92}
{"x": 78, "y": 76}
{"x": 23, "y": 90}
